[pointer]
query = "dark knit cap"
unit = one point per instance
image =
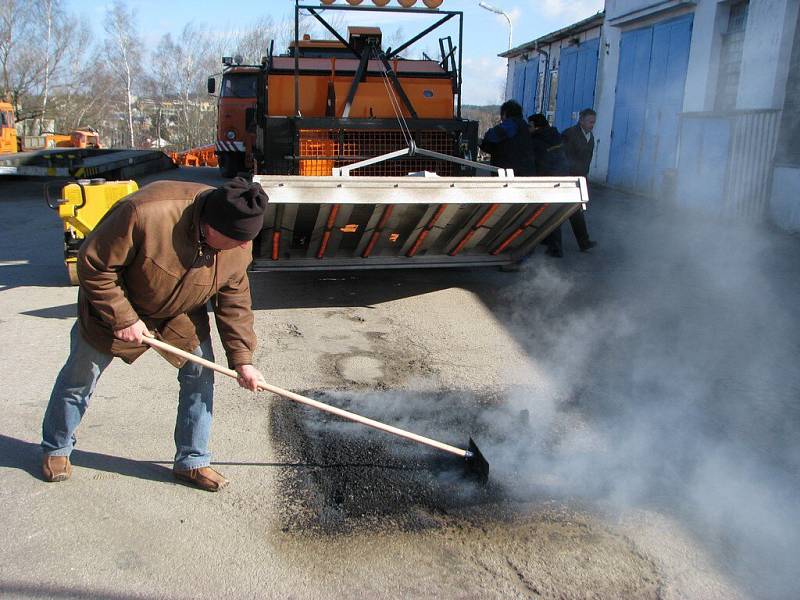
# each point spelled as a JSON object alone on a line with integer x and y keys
{"x": 236, "y": 209}
{"x": 538, "y": 120}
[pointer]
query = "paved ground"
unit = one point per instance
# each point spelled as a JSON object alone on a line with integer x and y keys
{"x": 638, "y": 406}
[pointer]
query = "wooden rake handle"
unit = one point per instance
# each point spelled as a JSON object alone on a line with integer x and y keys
{"x": 309, "y": 401}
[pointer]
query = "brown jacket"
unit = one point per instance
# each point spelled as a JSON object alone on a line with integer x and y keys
{"x": 145, "y": 261}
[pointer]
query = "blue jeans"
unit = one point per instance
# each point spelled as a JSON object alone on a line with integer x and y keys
{"x": 76, "y": 382}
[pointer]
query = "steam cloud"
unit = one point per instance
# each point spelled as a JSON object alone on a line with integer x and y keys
{"x": 669, "y": 381}
{"x": 672, "y": 380}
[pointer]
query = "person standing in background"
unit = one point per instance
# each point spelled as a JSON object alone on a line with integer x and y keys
{"x": 509, "y": 143}
{"x": 578, "y": 144}
{"x": 548, "y": 152}
{"x": 511, "y": 147}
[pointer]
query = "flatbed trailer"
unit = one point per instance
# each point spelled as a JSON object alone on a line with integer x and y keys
{"x": 85, "y": 163}
{"x": 321, "y": 223}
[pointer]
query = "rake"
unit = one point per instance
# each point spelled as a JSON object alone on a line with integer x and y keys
{"x": 474, "y": 463}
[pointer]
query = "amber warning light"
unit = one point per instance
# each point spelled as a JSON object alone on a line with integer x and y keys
{"x": 403, "y": 3}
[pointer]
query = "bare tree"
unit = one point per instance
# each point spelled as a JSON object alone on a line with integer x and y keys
{"x": 123, "y": 55}
{"x": 85, "y": 98}
{"x": 48, "y": 22}
{"x": 253, "y": 42}
{"x": 62, "y": 34}
{"x": 20, "y": 67}
{"x": 192, "y": 67}
{"x": 159, "y": 83}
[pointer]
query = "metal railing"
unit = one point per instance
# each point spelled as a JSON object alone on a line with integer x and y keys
{"x": 725, "y": 161}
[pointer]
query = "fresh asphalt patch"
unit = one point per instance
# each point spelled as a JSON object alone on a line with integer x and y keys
{"x": 341, "y": 476}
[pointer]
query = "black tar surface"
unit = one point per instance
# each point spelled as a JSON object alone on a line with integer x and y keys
{"x": 341, "y": 476}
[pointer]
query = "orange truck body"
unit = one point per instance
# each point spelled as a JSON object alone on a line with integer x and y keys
{"x": 432, "y": 97}
{"x": 325, "y": 72}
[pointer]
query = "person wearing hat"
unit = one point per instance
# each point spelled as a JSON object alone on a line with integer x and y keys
{"x": 151, "y": 267}
{"x": 553, "y": 159}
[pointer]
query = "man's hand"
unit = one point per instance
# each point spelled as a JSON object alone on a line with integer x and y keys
{"x": 249, "y": 378}
{"x": 132, "y": 333}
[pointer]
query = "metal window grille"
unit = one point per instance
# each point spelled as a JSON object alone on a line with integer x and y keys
{"x": 738, "y": 17}
{"x": 730, "y": 64}
{"x": 321, "y": 150}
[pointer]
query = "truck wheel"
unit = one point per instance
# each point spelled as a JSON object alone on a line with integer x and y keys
{"x": 72, "y": 273}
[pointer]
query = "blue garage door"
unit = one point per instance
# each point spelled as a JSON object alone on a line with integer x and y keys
{"x": 531, "y": 83}
{"x": 577, "y": 74}
{"x": 650, "y": 81}
{"x": 518, "y": 86}
{"x": 525, "y": 82}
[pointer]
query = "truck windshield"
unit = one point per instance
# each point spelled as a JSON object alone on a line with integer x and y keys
{"x": 239, "y": 85}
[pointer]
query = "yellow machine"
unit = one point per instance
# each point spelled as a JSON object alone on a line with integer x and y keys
{"x": 8, "y": 133}
{"x": 81, "y": 206}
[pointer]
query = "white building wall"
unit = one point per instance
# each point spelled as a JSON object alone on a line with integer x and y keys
{"x": 784, "y": 206}
{"x": 765, "y": 66}
{"x": 631, "y": 11}
{"x": 710, "y": 20}
{"x": 767, "y": 47}
{"x": 604, "y": 101}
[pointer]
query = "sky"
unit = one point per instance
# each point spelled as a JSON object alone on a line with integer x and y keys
{"x": 485, "y": 33}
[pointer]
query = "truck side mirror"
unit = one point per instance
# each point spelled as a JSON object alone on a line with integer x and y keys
{"x": 212, "y": 85}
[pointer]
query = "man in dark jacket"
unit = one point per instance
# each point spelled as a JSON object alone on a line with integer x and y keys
{"x": 509, "y": 143}
{"x": 150, "y": 268}
{"x": 578, "y": 143}
{"x": 550, "y": 161}
{"x": 548, "y": 150}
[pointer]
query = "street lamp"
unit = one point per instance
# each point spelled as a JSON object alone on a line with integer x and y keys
{"x": 495, "y": 10}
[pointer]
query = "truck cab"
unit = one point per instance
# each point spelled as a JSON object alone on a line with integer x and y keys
{"x": 236, "y": 105}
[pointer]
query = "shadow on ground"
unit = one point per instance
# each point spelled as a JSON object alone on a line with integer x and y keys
{"x": 27, "y": 456}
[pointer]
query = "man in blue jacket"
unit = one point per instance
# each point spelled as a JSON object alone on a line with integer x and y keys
{"x": 509, "y": 143}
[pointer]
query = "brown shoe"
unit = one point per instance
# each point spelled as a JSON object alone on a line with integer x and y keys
{"x": 204, "y": 478}
{"x": 56, "y": 468}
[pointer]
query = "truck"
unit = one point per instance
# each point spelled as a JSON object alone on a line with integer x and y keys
{"x": 83, "y": 137}
{"x": 369, "y": 163}
{"x": 10, "y": 142}
{"x": 236, "y": 105}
